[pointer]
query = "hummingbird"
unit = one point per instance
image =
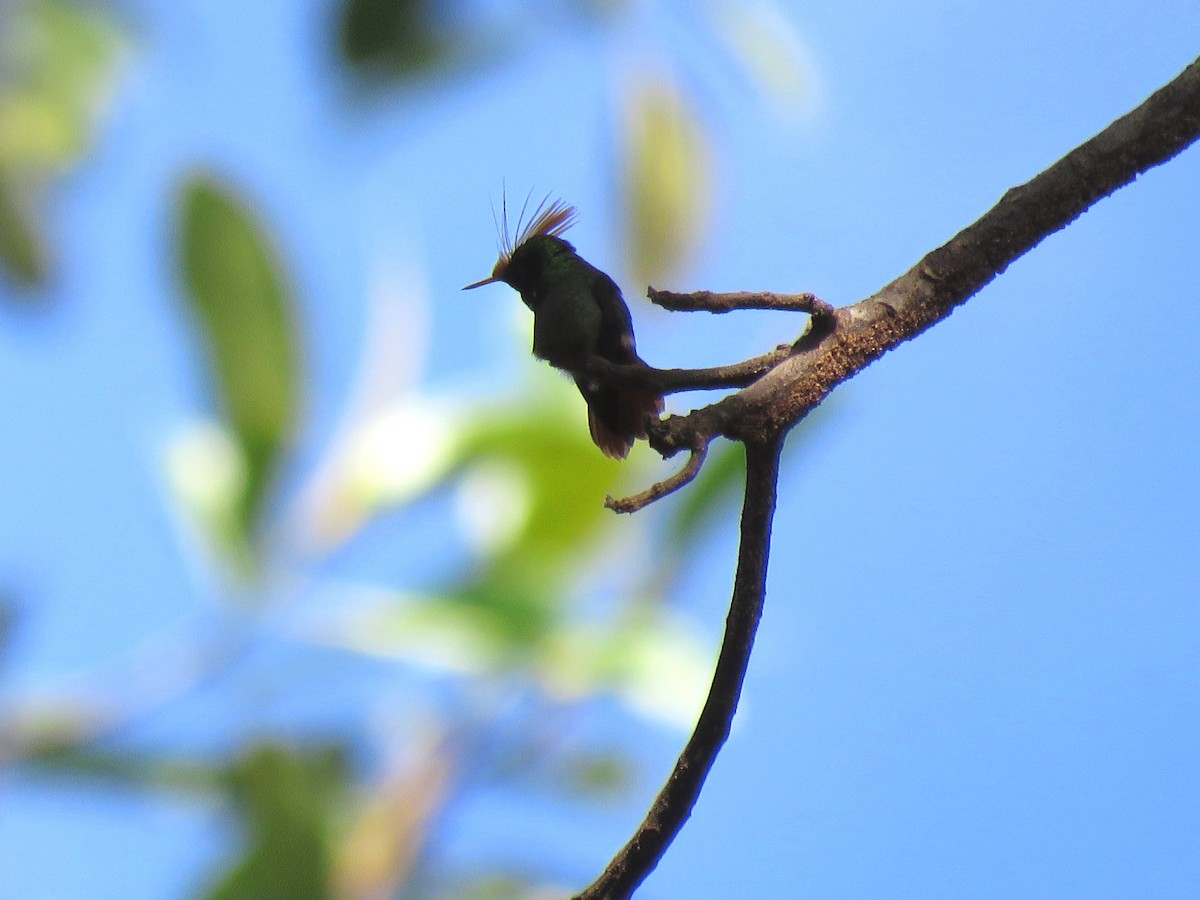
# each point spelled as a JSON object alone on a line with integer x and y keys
{"x": 578, "y": 313}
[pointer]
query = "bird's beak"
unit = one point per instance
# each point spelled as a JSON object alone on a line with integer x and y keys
{"x": 491, "y": 280}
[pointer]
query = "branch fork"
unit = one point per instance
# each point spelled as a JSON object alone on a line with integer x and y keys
{"x": 674, "y": 434}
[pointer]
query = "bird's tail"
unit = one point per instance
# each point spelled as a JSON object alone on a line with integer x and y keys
{"x": 617, "y": 416}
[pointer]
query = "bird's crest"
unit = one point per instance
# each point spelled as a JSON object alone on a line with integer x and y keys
{"x": 551, "y": 218}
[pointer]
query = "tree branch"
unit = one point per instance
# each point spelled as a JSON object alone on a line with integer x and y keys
{"x": 707, "y": 301}
{"x": 848, "y": 340}
{"x": 670, "y": 381}
{"x": 1163, "y": 126}
{"x": 662, "y": 488}
{"x": 674, "y": 803}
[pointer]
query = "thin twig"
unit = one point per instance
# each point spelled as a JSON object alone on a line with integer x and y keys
{"x": 707, "y": 301}
{"x": 662, "y": 488}
{"x": 674, "y": 803}
{"x": 670, "y": 381}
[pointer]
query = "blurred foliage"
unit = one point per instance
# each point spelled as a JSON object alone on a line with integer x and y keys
{"x": 536, "y": 473}
{"x": 57, "y": 67}
{"x": 393, "y": 39}
{"x": 666, "y": 181}
{"x": 391, "y": 823}
{"x": 286, "y": 797}
{"x": 663, "y": 153}
{"x": 248, "y": 322}
{"x": 389, "y": 44}
{"x": 717, "y": 485}
{"x": 8, "y": 626}
{"x": 57, "y": 752}
{"x": 528, "y": 480}
{"x": 598, "y": 774}
{"x": 23, "y": 250}
{"x": 764, "y": 43}
{"x": 547, "y": 606}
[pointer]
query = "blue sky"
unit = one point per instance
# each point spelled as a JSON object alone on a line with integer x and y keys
{"x": 979, "y": 668}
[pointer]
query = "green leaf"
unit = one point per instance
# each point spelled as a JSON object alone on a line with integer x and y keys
{"x": 391, "y": 39}
{"x": 247, "y": 320}
{"x": 531, "y": 497}
{"x": 23, "y": 250}
{"x": 287, "y": 799}
{"x": 544, "y": 447}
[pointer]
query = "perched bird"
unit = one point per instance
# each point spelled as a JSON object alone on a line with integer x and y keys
{"x": 578, "y": 313}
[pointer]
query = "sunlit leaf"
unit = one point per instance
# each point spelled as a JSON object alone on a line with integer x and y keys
{"x": 532, "y": 496}
{"x": 286, "y": 799}
{"x": 530, "y": 488}
{"x": 662, "y": 668}
{"x": 654, "y": 661}
{"x": 382, "y": 460}
{"x": 394, "y": 440}
{"x": 485, "y": 628}
{"x": 39, "y": 135}
{"x": 764, "y": 42}
{"x": 248, "y": 323}
{"x": 58, "y": 81}
{"x": 436, "y": 632}
{"x": 494, "y": 500}
{"x": 544, "y": 445}
{"x": 666, "y": 181}
{"x": 207, "y": 475}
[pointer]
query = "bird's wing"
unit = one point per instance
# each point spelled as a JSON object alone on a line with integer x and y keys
{"x": 616, "y": 327}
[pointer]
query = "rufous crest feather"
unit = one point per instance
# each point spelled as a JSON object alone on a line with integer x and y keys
{"x": 551, "y": 218}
